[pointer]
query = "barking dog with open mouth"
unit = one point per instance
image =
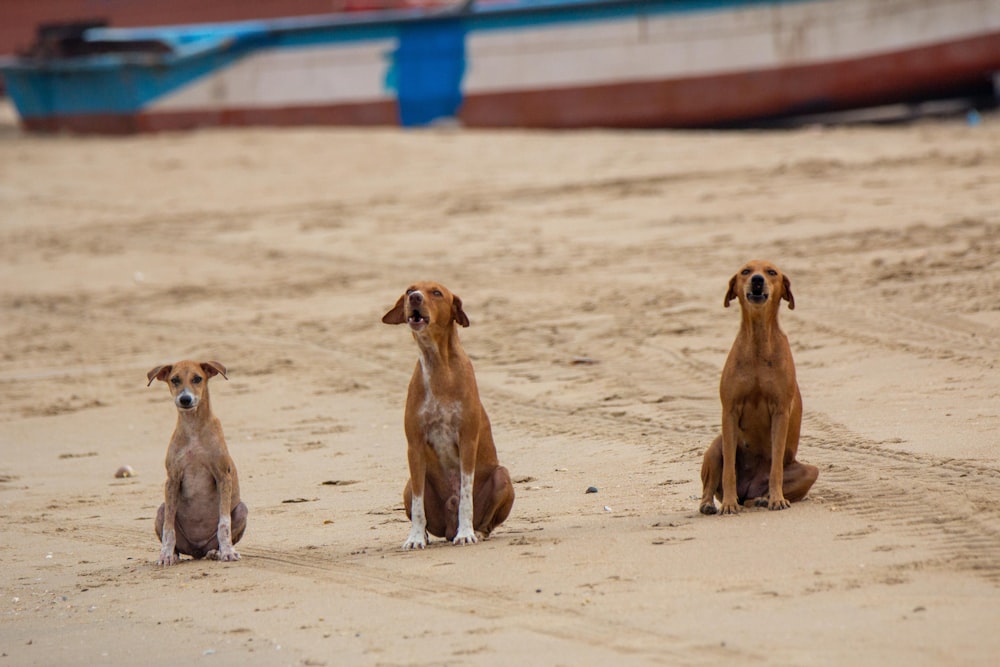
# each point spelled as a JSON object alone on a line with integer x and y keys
{"x": 457, "y": 487}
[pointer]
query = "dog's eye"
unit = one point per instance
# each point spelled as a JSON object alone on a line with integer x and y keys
{"x": 772, "y": 272}
{"x": 176, "y": 381}
{"x": 437, "y": 292}
{"x": 196, "y": 379}
{"x": 746, "y": 272}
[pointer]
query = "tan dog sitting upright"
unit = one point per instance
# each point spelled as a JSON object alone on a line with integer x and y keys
{"x": 753, "y": 461}
{"x": 457, "y": 486}
{"x": 202, "y": 515}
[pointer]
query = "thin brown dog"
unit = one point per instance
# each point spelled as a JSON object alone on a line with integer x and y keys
{"x": 753, "y": 461}
{"x": 202, "y": 515}
{"x": 457, "y": 487}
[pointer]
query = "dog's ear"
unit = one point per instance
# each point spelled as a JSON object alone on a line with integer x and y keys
{"x": 397, "y": 315}
{"x": 786, "y": 292}
{"x": 213, "y": 368}
{"x": 731, "y": 294}
{"x": 159, "y": 373}
{"x": 457, "y": 313}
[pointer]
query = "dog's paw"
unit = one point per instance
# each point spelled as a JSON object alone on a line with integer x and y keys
{"x": 730, "y": 508}
{"x": 708, "y": 508}
{"x": 167, "y": 559}
{"x": 416, "y": 540}
{"x": 465, "y": 537}
{"x": 779, "y": 503}
{"x": 226, "y": 555}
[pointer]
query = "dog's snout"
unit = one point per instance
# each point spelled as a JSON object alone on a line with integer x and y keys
{"x": 757, "y": 284}
{"x": 185, "y": 400}
{"x": 416, "y": 298}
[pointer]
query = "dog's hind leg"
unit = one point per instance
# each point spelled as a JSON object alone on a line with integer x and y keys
{"x": 493, "y": 500}
{"x": 239, "y": 519}
{"x": 711, "y": 477}
{"x": 798, "y": 479}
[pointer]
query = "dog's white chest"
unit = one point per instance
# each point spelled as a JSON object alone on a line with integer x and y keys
{"x": 441, "y": 423}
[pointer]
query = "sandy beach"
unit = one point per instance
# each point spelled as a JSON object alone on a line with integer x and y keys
{"x": 593, "y": 267}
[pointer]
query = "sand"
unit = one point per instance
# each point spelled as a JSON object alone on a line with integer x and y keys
{"x": 593, "y": 266}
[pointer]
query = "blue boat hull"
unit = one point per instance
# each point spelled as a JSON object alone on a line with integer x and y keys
{"x": 546, "y": 64}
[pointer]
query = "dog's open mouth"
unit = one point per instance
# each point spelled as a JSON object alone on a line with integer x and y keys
{"x": 757, "y": 298}
{"x": 418, "y": 321}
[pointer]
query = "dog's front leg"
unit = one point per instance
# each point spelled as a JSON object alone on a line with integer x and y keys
{"x": 779, "y": 436}
{"x": 730, "y": 501}
{"x": 225, "y": 531}
{"x": 468, "y": 448}
{"x": 418, "y": 514}
{"x": 168, "y": 533}
{"x": 465, "y": 534}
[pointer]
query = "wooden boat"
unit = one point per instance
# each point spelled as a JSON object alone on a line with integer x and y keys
{"x": 542, "y": 64}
